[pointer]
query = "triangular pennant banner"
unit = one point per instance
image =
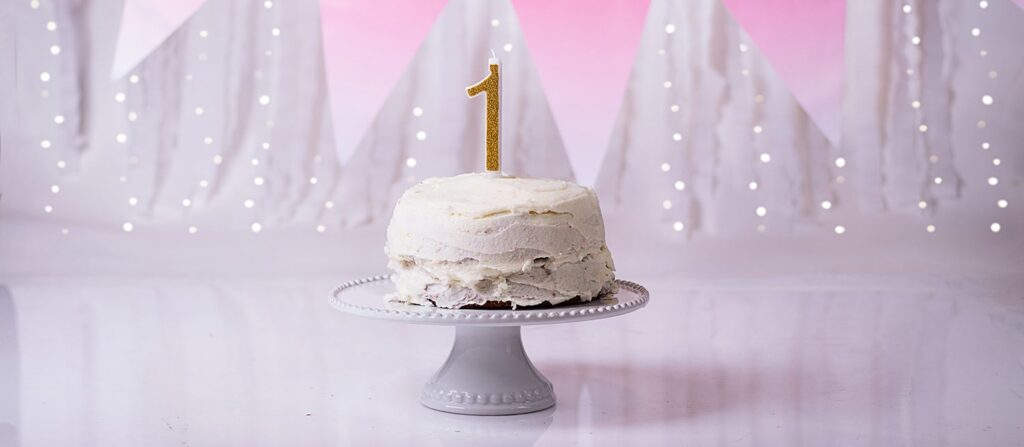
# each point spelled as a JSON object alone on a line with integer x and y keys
{"x": 803, "y": 41}
{"x": 584, "y": 52}
{"x": 367, "y": 45}
{"x": 145, "y": 24}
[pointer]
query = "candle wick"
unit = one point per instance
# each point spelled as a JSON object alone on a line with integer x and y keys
{"x": 494, "y": 56}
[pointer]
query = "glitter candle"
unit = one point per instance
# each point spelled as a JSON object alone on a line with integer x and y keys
{"x": 491, "y": 85}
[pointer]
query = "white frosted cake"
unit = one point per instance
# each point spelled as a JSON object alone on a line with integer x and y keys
{"x": 494, "y": 241}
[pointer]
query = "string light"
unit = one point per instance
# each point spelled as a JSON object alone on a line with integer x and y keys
{"x": 495, "y": 22}
{"x": 667, "y": 204}
{"x": 839, "y": 229}
{"x": 670, "y": 28}
{"x": 995, "y": 227}
{"x": 761, "y": 211}
{"x": 421, "y": 135}
{"x": 993, "y": 181}
{"x": 665, "y": 167}
{"x": 256, "y": 227}
{"x": 410, "y": 162}
{"x": 840, "y": 162}
{"x": 765, "y": 157}
{"x": 678, "y": 226}
{"x": 752, "y": 186}
{"x": 127, "y": 227}
{"x": 680, "y": 185}
{"x": 930, "y": 228}
{"x": 826, "y": 205}
{"x": 417, "y": 111}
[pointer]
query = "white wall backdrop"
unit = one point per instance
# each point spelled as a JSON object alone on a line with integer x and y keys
{"x": 225, "y": 127}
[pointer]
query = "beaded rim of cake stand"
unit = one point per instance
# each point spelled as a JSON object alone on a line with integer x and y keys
{"x": 435, "y": 314}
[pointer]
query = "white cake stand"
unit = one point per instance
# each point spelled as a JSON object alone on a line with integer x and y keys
{"x": 487, "y": 371}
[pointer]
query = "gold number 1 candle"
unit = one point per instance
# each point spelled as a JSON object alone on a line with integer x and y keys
{"x": 491, "y": 85}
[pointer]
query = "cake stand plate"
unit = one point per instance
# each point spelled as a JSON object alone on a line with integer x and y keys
{"x": 487, "y": 371}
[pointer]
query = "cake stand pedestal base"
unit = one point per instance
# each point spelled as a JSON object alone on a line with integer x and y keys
{"x": 488, "y": 373}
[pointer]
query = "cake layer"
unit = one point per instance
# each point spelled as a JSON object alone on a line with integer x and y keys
{"x": 475, "y": 238}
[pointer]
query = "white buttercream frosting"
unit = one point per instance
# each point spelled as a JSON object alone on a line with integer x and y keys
{"x": 474, "y": 238}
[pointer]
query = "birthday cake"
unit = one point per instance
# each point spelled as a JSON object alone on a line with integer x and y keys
{"x": 488, "y": 240}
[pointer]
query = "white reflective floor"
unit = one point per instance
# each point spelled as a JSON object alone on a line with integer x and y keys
{"x": 849, "y": 360}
